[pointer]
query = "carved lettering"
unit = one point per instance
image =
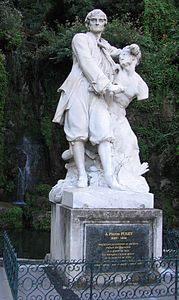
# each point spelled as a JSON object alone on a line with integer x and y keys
{"x": 117, "y": 242}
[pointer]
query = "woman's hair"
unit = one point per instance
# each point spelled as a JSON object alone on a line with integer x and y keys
{"x": 93, "y": 14}
{"x": 134, "y": 50}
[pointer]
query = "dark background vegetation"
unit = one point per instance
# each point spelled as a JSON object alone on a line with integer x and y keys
{"x": 35, "y": 58}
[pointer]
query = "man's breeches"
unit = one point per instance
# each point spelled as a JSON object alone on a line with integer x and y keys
{"x": 88, "y": 118}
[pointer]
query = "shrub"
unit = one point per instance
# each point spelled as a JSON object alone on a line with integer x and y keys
{"x": 10, "y": 25}
{"x": 3, "y": 91}
{"x": 36, "y": 210}
{"x": 12, "y": 218}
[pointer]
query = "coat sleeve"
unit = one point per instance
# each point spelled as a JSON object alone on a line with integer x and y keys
{"x": 113, "y": 51}
{"x": 88, "y": 65}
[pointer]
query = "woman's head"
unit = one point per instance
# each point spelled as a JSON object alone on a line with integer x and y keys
{"x": 130, "y": 54}
{"x": 135, "y": 51}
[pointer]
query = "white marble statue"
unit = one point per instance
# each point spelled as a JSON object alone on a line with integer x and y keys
{"x": 126, "y": 162}
{"x": 83, "y": 104}
{"x": 103, "y": 150}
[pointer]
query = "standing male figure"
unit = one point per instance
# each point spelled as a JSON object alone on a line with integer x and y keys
{"x": 83, "y": 105}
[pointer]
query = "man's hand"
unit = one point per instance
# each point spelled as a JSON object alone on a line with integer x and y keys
{"x": 115, "y": 88}
{"x": 110, "y": 88}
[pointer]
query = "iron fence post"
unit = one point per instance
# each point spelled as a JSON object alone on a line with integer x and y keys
{"x": 176, "y": 279}
{"x": 91, "y": 281}
{"x": 15, "y": 277}
{"x": 10, "y": 265}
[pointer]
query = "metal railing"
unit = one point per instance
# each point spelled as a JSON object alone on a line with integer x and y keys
{"x": 10, "y": 265}
{"x": 1, "y": 244}
{"x": 171, "y": 243}
{"x": 82, "y": 280}
{"x": 99, "y": 281}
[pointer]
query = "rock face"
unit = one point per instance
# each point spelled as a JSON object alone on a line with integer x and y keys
{"x": 31, "y": 165}
{"x": 28, "y": 134}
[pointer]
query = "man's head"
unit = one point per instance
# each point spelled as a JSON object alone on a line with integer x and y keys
{"x": 96, "y": 21}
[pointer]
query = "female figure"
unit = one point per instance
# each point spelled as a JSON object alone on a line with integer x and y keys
{"x": 126, "y": 162}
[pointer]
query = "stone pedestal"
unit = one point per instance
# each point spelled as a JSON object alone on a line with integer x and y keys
{"x": 104, "y": 224}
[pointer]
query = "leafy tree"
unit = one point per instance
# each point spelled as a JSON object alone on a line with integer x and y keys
{"x": 11, "y": 33}
{"x": 3, "y": 92}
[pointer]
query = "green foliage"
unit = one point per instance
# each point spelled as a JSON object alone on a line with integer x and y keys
{"x": 42, "y": 190}
{"x": 160, "y": 71}
{"x": 42, "y": 221}
{"x": 120, "y": 33}
{"x": 3, "y": 91}
{"x": 46, "y": 129}
{"x": 12, "y": 218}
{"x": 157, "y": 129}
{"x": 56, "y": 45}
{"x": 121, "y": 8}
{"x": 159, "y": 18}
{"x": 142, "y": 134}
{"x": 177, "y": 150}
{"x": 167, "y": 208}
{"x": 38, "y": 198}
{"x": 36, "y": 210}
{"x": 113, "y": 9}
{"x": 50, "y": 85}
{"x": 78, "y": 8}
{"x": 10, "y": 186}
{"x": 10, "y": 26}
{"x": 34, "y": 12}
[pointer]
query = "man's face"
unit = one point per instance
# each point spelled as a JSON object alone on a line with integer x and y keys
{"x": 97, "y": 24}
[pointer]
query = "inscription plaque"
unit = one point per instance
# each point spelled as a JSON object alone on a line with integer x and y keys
{"x": 113, "y": 242}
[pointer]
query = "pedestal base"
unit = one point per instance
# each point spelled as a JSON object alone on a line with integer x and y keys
{"x": 101, "y": 197}
{"x": 105, "y": 234}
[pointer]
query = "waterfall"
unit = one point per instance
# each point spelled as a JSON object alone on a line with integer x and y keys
{"x": 20, "y": 186}
{"x": 24, "y": 180}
